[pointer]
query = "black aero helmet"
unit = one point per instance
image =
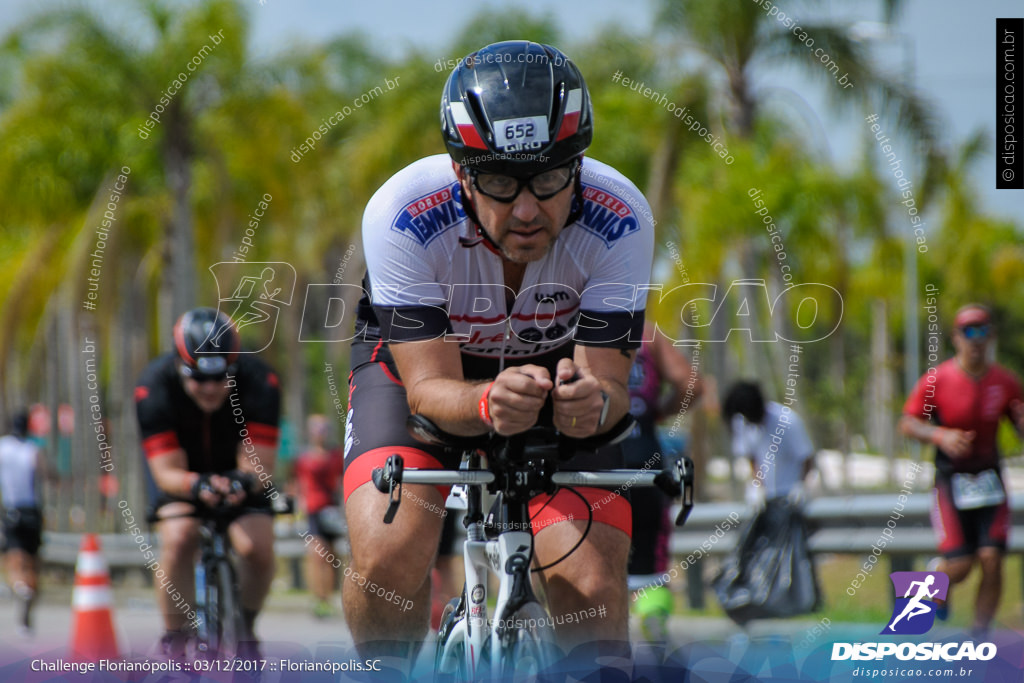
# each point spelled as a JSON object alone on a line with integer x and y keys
{"x": 516, "y": 108}
{"x": 207, "y": 343}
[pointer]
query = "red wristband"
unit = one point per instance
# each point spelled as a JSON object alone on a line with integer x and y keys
{"x": 485, "y": 411}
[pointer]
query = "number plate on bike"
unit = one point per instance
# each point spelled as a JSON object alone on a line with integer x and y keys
{"x": 979, "y": 490}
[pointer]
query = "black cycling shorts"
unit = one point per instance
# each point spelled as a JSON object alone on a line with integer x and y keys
{"x": 328, "y": 530}
{"x": 649, "y": 554}
{"x": 23, "y": 529}
{"x": 960, "y": 533}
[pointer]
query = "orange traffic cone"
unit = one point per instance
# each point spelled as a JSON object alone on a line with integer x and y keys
{"x": 92, "y": 631}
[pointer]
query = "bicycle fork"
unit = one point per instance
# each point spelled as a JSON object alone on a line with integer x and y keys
{"x": 508, "y": 556}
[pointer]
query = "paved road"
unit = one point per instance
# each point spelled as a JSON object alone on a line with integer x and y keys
{"x": 290, "y": 632}
{"x": 287, "y": 625}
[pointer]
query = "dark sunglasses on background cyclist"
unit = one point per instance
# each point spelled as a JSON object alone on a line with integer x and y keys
{"x": 972, "y": 332}
{"x": 209, "y": 369}
{"x": 544, "y": 185}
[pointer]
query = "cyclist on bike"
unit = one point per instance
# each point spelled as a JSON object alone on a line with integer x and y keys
{"x": 208, "y": 417}
{"x": 503, "y": 293}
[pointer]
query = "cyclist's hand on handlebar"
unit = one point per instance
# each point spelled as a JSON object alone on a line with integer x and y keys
{"x": 239, "y": 485}
{"x": 208, "y": 489}
{"x": 517, "y": 396}
{"x": 577, "y": 400}
{"x": 217, "y": 489}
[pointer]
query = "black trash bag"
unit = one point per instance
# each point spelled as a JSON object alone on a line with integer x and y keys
{"x": 770, "y": 573}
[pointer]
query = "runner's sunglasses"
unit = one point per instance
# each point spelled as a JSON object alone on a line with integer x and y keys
{"x": 972, "y": 332}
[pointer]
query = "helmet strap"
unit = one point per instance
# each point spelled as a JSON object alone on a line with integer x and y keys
{"x": 576, "y": 211}
{"x": 475, "y": 224}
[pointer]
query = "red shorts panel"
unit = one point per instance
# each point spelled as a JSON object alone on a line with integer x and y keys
{"x": 360, "y": 470}
{"x": 960, "y": 533}
{"x": 608, "y": 508}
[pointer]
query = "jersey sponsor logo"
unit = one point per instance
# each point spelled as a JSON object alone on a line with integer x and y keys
{"x": 509, "y": 351}
{"x": 428, "y": 216}
{"x": 557, "y": 295}
{"x": 607, "y": 216}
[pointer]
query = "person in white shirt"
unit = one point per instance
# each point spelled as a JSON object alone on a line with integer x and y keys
{"x": 20, "y": 462}
{"x": 773, "y": 438}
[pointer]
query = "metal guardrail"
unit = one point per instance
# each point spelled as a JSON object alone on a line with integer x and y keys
{"x": 122, "y": 551}
{"x": 839, "y": 525}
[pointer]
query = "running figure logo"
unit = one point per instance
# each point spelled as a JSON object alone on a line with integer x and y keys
{"x": 252, "y": 295}
{"x": 916, "y": 592}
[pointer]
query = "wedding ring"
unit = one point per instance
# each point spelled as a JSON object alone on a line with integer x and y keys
{"x": 573, "y": 421}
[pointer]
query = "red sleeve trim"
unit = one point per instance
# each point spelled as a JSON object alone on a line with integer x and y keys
{"x": 264, "y": 435}
{"x": 161, "y": 444}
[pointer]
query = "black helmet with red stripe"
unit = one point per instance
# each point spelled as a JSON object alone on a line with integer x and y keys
{"x": 516, "y": 108}
{"x": 207, "y": 343}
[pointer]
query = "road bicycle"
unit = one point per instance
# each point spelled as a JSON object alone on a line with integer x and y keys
{"x": 519, "y": 642}
{"x": 220, "y": 627}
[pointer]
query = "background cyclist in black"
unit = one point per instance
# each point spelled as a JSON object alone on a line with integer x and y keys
{"x": 208, "y": 417}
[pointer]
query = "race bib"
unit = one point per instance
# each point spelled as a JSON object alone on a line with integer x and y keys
{"x": 979, "y": 490}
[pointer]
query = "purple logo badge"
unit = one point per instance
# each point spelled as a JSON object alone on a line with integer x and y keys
{"x": 916, "y": 592}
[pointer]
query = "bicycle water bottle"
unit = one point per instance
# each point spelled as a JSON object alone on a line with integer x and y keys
{"x": 201, "y": 600}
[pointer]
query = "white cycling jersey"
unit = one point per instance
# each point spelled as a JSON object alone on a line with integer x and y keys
{"x": 425, "y": 281}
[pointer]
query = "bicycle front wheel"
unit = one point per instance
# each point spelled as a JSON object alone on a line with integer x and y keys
{"x": 209, "y": 643}
{"x": 450, "y": 653}
{"x": 229, "y": 628}
{"x": 528, "y": 648}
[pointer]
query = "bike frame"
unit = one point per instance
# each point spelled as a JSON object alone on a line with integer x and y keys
{"x": 509, "y": 554}
{"x": 215, "y": 562}
{"x": 508, "y": 557}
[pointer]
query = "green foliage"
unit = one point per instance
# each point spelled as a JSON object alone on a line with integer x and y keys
{"x": 76, "y": 87}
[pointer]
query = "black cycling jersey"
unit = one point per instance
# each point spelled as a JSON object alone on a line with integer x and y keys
{"x": 169, "y": 419}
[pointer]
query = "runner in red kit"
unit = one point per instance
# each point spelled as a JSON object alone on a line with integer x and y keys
{"x": 957, "y": 407}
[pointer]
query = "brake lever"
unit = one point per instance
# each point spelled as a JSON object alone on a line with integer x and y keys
{"x": 388, "y": 479}
{"x": 677, "y": 482}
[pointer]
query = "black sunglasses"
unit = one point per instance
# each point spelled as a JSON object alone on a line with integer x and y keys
{"x": 203, "y": 377}
{"x": 543, "y": 185}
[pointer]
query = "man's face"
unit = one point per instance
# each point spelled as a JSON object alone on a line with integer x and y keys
{"x": 209, "y": 395}
{"x": 972, "y": 343}
{"x": 525, "y": 228}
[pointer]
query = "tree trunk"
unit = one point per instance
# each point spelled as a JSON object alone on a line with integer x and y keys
{"x": 75, "y": 372}
{"x": 880, "y": 415}
{"x": 51, "y": 398}
{"x": 179, "y": 275}
{"x": 294, "y": 371}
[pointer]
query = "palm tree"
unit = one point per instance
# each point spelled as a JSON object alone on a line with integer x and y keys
{"x": 78, "y": 117}
{"x": 737, "y": 42}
